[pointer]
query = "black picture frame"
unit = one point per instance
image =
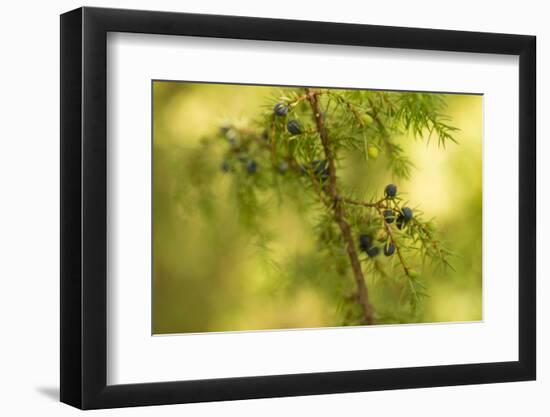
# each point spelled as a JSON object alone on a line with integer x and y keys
{"x": 84, "y": 207}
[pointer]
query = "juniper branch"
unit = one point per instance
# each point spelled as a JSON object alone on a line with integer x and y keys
{"x": 339, "y": 214}
{"x": 353, "y": 117}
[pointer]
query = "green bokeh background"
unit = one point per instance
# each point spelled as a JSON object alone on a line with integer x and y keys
{"x": 208, "y": 275}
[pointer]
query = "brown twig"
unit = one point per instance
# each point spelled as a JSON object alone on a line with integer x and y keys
{"x": 338, "y": 209}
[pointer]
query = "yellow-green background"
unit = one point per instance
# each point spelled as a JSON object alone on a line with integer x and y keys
{"x": 207, "y": 276}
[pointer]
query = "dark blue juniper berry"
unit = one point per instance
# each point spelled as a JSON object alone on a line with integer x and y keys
{"x": 294, "y": 127}
{"x": 373, "y": 251}
{"x": 280, "y": 109}
{"x": 365, "y": 242}
{"x": 389, "y": 249}
{"x": 283, "y": 167}
{"x": 389, "y": 217}
{"x": 404, "y": 217}
{"x": 251, "y": 166}
{"x": 366, "y": 245}
{"x": 407, "y": 213}
{"x": 320, "y": 168}
{"x": 391, "y": 190}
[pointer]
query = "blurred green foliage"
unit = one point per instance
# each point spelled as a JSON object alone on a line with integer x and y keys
{"x": 217, "y": 268}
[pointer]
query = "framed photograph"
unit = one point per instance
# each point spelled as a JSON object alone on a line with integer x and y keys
{"x": 258, "y": 208}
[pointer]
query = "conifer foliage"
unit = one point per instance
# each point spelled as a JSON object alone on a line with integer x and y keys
{"x": 302, "y": 139}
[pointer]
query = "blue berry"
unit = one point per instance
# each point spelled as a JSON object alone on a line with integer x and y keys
{"x": 389, "y": 217}
{"x": 283, "y": 167}
{"x": 251, "y": 166}
{"x": 373, "y": 251}
{"x": 280, "y": 109}
{"x": 407, "y": 213}
{"x": 320, "y": 168}
{"x": 389, "y": 249}
{"x": 391, "y": 190}
{"x": 365, "y": 242}
{"x": 294, "y": 127}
